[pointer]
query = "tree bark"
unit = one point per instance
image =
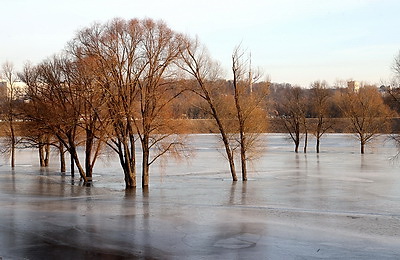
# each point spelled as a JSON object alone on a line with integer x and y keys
{"x": 225, "y": 140}
{"x": 47, "y": 153}
{"x": 12, "y": 144}
{"x": 239, "y": 114}
{"x": 72, "y": 165}
{"x": 243, "y": 156}
{"x": 297, "y": 142}
{"x": 88, "y": 153}
{"x": 145, "y": 162}
{"x": 41, "y": 154}
{"x": 62, "y": 157}
{"x": 305, "y": 142}
{"x": 74, "y": 155}
{"x": 128, "y": 165}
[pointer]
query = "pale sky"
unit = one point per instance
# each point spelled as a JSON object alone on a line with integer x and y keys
{"x": 293, "y": 41}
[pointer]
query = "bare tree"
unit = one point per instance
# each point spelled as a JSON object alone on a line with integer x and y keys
{"x": 320, "y": 96}
{"x": 55, "y": 106}
{"x": 396, "y": 66}
{"x": 291, "y": 111}
{"x": 10, "y": 104}
{"x": 248, "y": 105}
{"x": 133, "y": 63}
{"x": 393, "y": 91}
{"x": 198, "y": 64}
{"x": 366, "y": 111}
{"x": 111, "y": 51}
{"x": 89, "y": 105}
{"x": 237, "y": 114}
{"x": 157, "y": 88}
{"x": 33, "y": 134}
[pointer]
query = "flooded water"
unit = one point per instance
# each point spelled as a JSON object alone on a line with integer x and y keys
{"x": 334, "y": 205}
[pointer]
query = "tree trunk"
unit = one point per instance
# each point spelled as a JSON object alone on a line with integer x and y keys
{"x": 317, "y": 147}
{"x": 241, "y": 121}
{"x": 78, "y": 165}
{"x": 296, "y": 146}
{"x": 305, "y": 142}
{"x": 231, "y": 165}
{"x": 47, "y": 153}
{"x": 362, "y": 147}
{"x": 130, "y": 179}
{"x": 13, "y": 155}
{"x": 221, "y": 129}
{"x": 132, "y": 159}
{"x": 88, "y": 153}
{"x": 75, "y": 157}
{"x": 145, "y": 164}
{"x": 41, "y": 154}
{"x": 13, "y": 142}
{"x": 62, "y": 157}
{"x": 72, "y": 165}
{"x": 127, "y": 161}
{"x": 297, "y": 142}
{"x": 243, "y": 156}
{"x": 228, "y": 150}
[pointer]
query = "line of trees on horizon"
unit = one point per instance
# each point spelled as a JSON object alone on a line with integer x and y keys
{"x": 125, "y": 83}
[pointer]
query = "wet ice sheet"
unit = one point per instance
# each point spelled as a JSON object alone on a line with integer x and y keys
{"x": 338, "y": 204}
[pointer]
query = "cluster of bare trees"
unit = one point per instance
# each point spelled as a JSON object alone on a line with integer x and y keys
{"x": 320, "y": 109}
{"x": 115, "y": 85}
{"x": 237, "y": 115}
{"x": 120, "y": 86}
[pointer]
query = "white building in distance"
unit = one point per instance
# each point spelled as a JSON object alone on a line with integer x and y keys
{"x": 353, "y": 85}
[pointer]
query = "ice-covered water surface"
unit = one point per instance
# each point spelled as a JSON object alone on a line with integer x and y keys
{"x": 336, "y": 204}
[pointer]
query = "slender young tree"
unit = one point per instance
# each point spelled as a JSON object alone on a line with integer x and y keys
{"x": 248, "y": 105}
{"x": 10, "y": 103}
{"x": 198, "y": 64}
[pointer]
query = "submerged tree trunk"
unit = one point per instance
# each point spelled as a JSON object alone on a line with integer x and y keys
{"x": 132, "y": 163}
{"x": 225, "y": 140}
{"x": 62, "y": 157}
{"x": 296, "y": 141}
{"x": 318, "y": 142}
{"x": 145, "y": 162}
{"x": 130, "y": 176}
{"x": 126, "y": 154}
{"x": 13, "y": 143}
{"x": 75, "y": 158}
{"x": 88, "y": 153}
{"x": 72, "y": 165}
{"x": 47, "y": 153}
{"x": 44, "y": 150}
{"x": 81, "y": 171}
{"x": 41, "y": 153}
{"x": 243, "y": 156}
{"x": 305, "y": 142}
{"x": 239, "y": 92}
